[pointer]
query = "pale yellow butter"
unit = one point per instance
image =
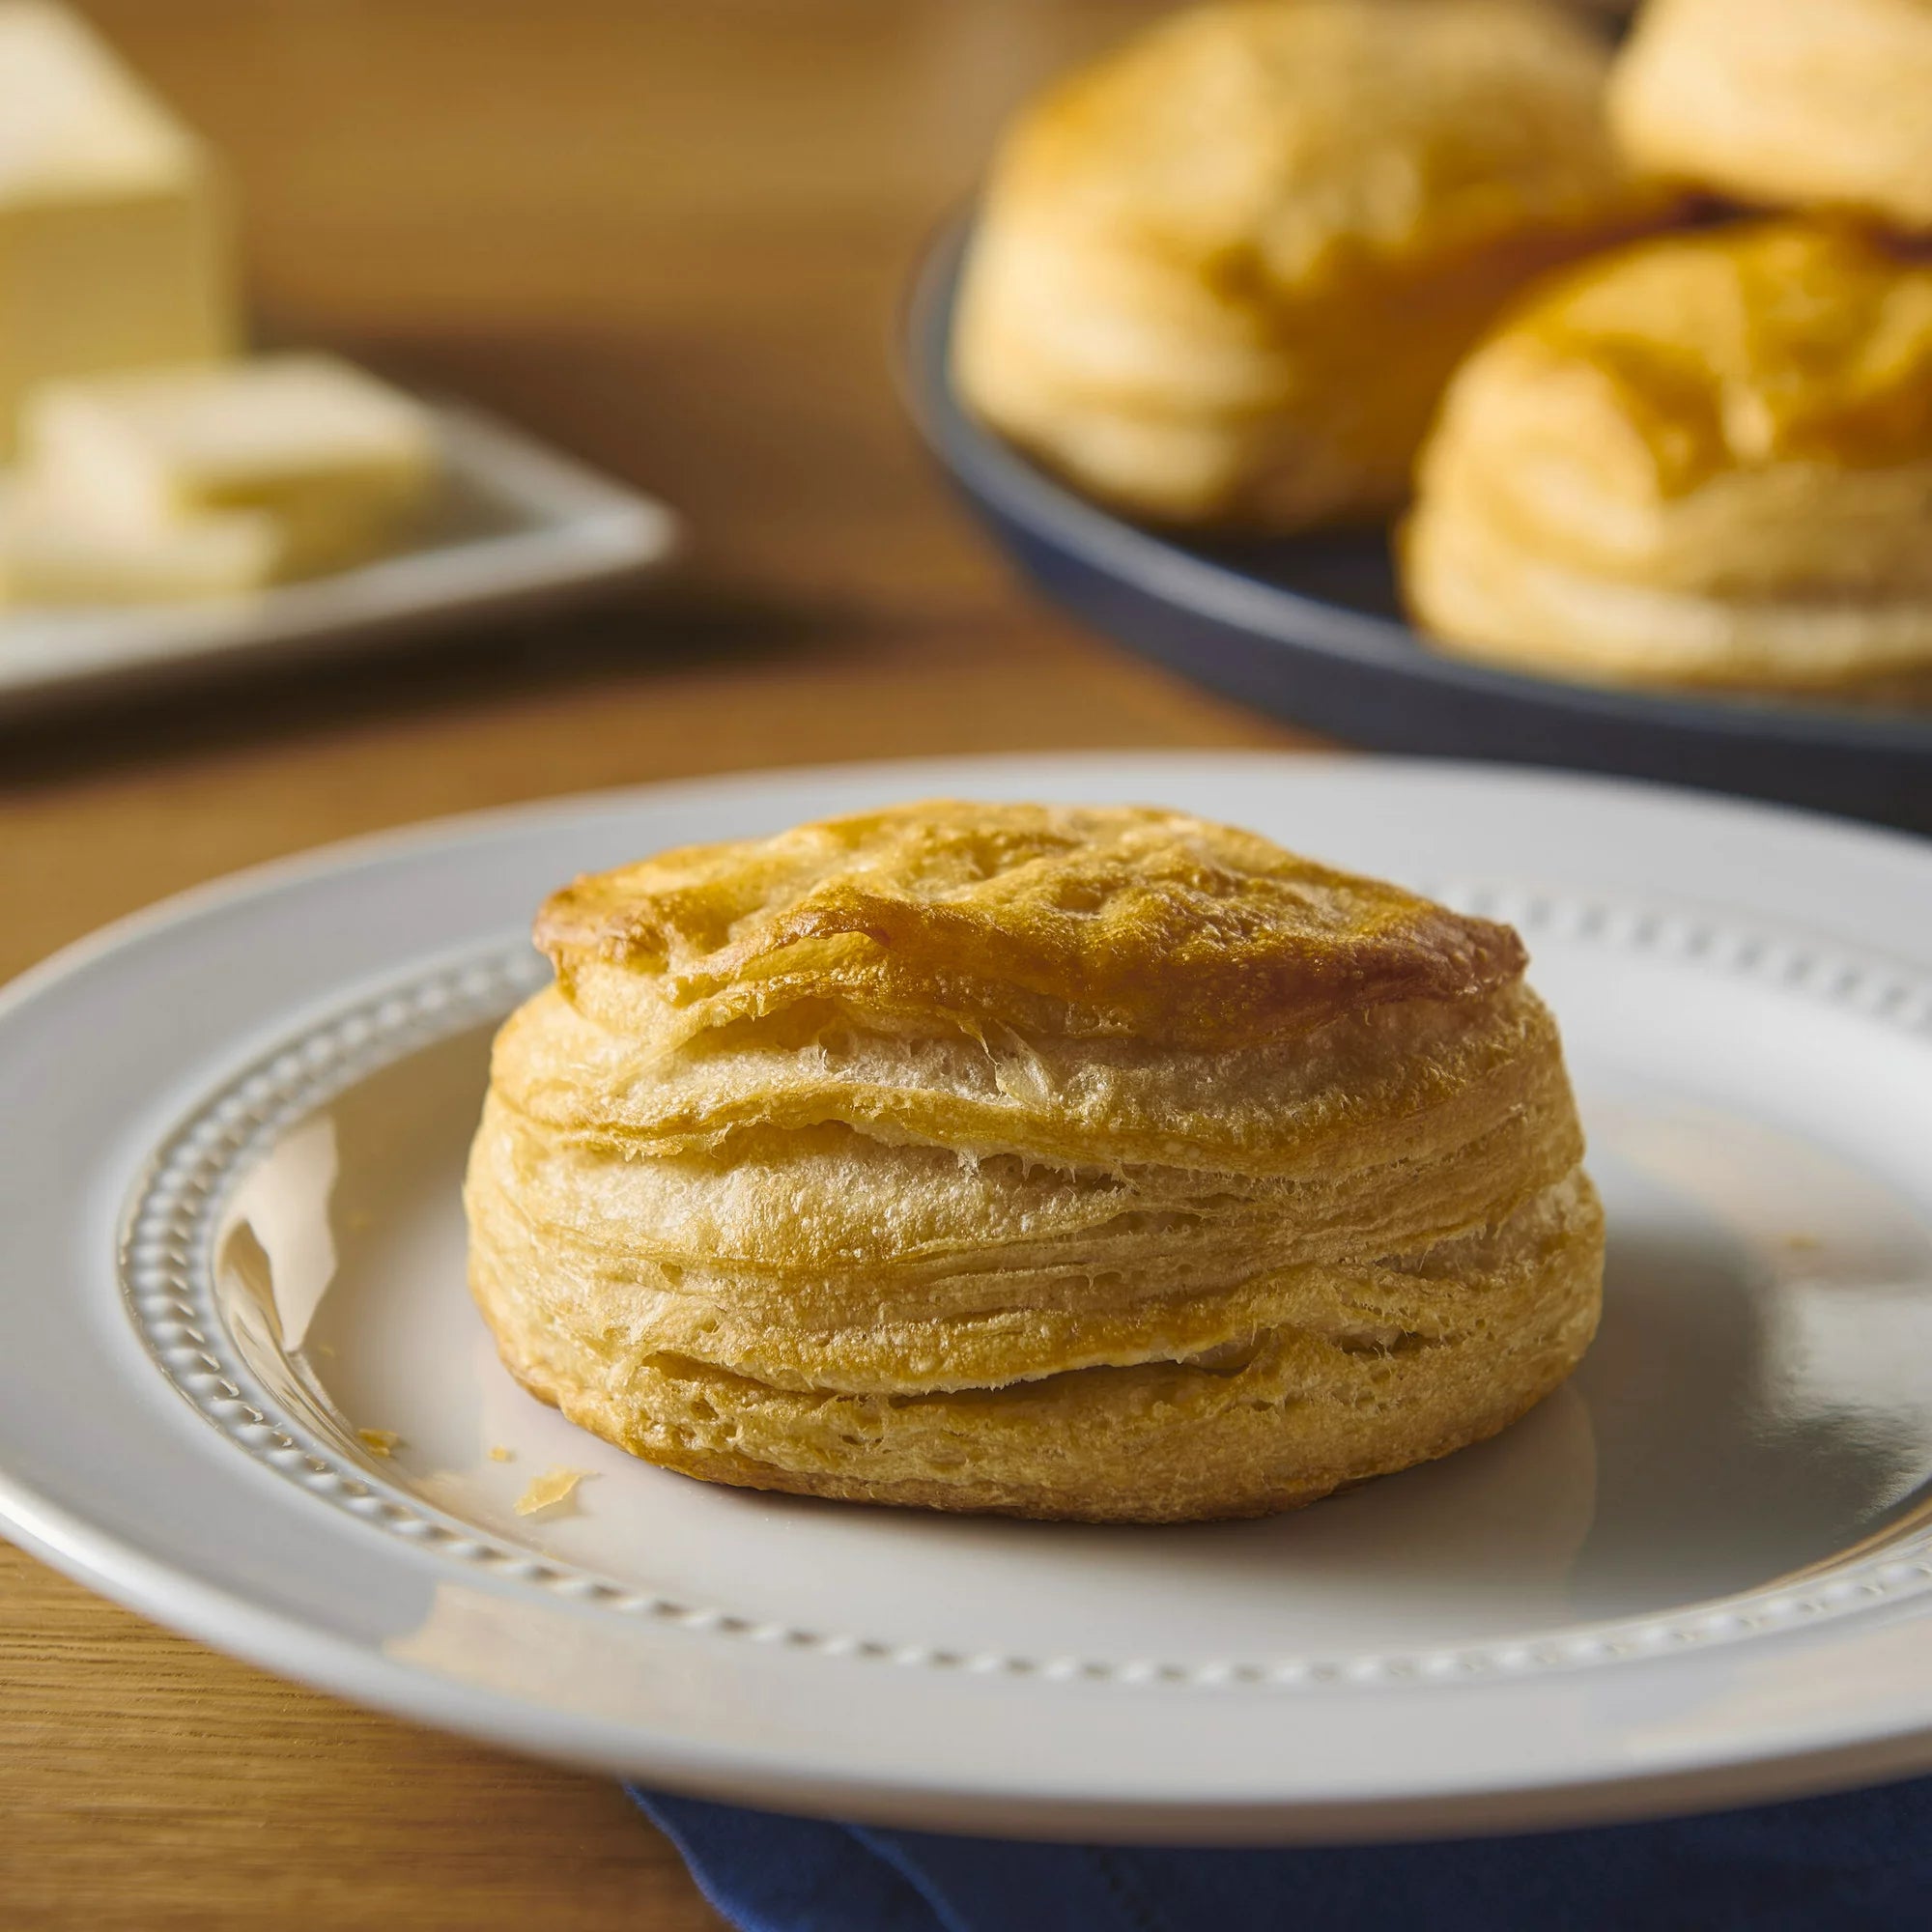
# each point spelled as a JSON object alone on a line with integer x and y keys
{"x": 340, "y": 463}
{"x": 50, "y": 555}
{"x": 115, "y": 239}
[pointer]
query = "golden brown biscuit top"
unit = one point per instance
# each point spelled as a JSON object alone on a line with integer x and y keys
{"x": 1742, "y": 347}
{"x": 1044, "y": 920}
{"x": 1297, "y": 143}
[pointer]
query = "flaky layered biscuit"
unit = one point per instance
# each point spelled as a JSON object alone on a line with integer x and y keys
{"x": 1222, "y": 274}
{"x": 1808, "y": 103}
{"x": 1703, "y": 461}
{"x": 1103, "y": 1164}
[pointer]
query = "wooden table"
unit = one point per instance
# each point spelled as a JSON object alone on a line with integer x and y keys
{"x": 670, "y": 239}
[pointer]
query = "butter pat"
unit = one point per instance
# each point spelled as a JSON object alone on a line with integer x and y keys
{"x": 115, "y": 245}
{"x": 50, "y": 555}
{"x": 338, "y": 460}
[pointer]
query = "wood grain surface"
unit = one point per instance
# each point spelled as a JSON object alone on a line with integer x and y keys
{"x": 670, "y": 239}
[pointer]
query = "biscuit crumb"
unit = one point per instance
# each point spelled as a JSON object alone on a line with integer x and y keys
{"x": 379, "y": 1441}
{"x": 553, "y": 1487}
{"x": 499, "y": 1454}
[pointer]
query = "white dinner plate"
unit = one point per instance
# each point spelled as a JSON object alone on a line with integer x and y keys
{"x": 1700, "y": 1574}
{"x": 519, "y": 528}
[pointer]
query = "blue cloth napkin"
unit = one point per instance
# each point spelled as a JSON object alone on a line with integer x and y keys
{"x": 1858, "y": 1863}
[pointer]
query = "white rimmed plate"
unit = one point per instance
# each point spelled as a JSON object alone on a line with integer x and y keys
{"x": 520, "y": 528}
{"x": 1701, "y": 1575}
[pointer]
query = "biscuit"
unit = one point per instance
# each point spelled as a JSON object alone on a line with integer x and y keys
{"x": 1102, "y": 1164}
{"x": 1803, "y": 104}
{"x": 1704, "y": 461}
{"x": 1222, "y": 276}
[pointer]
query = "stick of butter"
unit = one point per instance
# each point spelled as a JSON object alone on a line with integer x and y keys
{"x": 339, "y": 460}
{"x": 115, "y": 239}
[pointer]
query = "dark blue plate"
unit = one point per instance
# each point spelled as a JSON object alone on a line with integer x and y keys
{"x": 1311, "y": 629}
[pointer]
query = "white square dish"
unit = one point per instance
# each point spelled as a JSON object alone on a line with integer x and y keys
{"x": 521, "y": 527}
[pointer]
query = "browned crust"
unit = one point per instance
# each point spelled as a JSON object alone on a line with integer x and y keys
{"x": 1127, "y": 922}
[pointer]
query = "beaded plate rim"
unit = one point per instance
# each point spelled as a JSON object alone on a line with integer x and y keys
{"x": 167, "y": 1283}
